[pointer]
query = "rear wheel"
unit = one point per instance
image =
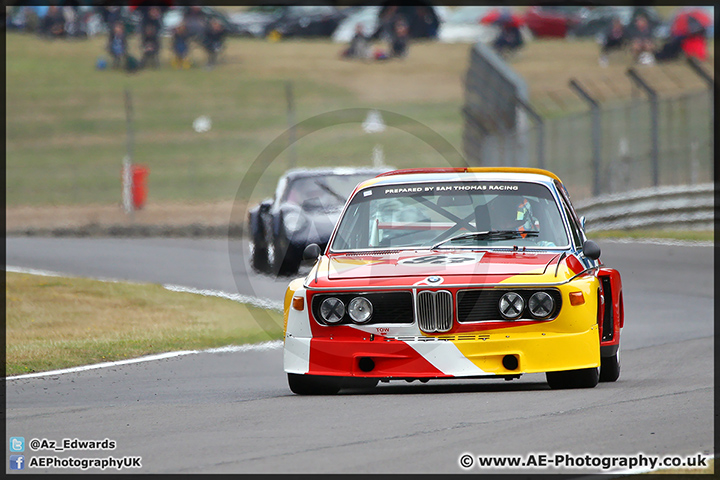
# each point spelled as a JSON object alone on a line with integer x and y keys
{"x": 313, "y": 384}
{"x": 583, "y": 378}
{"x": 610, "y": 367}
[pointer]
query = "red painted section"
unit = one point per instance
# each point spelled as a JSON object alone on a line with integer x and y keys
{"x": 574, "y": 264}
{"x": 617, "y": 307}
{"x": 461, "y": 265}
{"x": 340, "y": 356}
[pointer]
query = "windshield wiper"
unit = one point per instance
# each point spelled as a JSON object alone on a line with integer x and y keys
{"x": 490, "y": 235}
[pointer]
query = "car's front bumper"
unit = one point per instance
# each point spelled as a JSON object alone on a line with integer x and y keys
{"x": 486, "y": 355}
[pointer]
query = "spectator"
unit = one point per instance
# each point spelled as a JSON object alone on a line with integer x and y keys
{"x": 427, "y": 22}
{"x": 53, "y": 23}
{"x": 613, "y": 39}
{"x": 73, "y": 21}
{"x": 117, "y": 45}
{"x": 195, "y": 23}
{"x": 359, "y": 45}
{"x": 509, "y": 38}
{"x": 181, "y": 46}
{"x": 214, "y": 40}
{"x": 692, "y": 42}
{"x": 388, "y": 18}
{"x": 399, "y": 43}
{"x": 642, "y": 44}
{"x": 150, "y": 42}
{"x": 153, "y": 16}
{"x": 110, "y": 15}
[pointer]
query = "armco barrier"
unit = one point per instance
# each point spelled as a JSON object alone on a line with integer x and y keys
{"x": 686, "y": 207}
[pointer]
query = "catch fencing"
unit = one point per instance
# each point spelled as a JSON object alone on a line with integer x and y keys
{"x": 645, "y": 142}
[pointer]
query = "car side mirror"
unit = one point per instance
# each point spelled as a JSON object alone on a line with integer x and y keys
{"x": 591, "y": 250}
{"x": 311, "y": 252}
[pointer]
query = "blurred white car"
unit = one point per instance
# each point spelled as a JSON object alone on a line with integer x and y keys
{"x": 368, "y": 17}
{"x": 462, "y": 25}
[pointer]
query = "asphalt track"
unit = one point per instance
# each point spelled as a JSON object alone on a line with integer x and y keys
{"x": 231, "y": 412}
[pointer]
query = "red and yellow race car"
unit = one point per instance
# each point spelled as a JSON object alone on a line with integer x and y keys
{"x": 454, "y": 273}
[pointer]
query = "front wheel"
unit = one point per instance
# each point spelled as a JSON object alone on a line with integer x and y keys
{"x": 583, "y": 378}
{"x": 313, "y": 384}
{"x": 284, "y": 263}
{"x": 259, "y": 260}
{"x": 610, "y": 367}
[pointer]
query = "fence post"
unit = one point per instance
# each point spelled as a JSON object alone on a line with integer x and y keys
{"x": 492, "y": 129}
{"x": 654, "y": 128}
{"x": 697, "y": 68}
{"x": 596, "y": 133}
{"x": 127, "y": 161}
{"x": 291, "y": 122}
{"x": 540, "y": 129}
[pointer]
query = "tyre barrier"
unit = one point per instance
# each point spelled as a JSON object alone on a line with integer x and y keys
{"x": 686, "y": 207}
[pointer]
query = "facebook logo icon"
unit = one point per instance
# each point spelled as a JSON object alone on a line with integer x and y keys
{"x": 17, "y": 444}
{"x": 17, "y": 462}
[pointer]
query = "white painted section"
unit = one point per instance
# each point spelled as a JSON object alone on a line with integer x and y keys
{"x": 446, "y": 357}
{"x": 296, "y": 355}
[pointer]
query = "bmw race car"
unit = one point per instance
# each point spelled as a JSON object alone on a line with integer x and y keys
{"x": 454, "y": 273}
{"x": 306, "y": 205}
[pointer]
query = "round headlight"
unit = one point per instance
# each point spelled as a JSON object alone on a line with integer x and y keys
{"x": 293, "y": 221}
{"x": 360, "y": 309}
{"x": 541, "y": 304}
{"x": 511, "y": 305}
{"x": 332, "y": 310}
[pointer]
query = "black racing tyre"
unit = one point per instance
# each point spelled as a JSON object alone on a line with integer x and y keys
{"x": 313, "y": 384}
{"x": 284, "y": 263}
{"x": 610, "y": 367}
{"x": 259, "y": 260}
{"x": 583, "y": 378}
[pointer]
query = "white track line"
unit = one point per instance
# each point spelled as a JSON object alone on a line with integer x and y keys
{"x": 254, "y": 301}
{"x": 269, "y": 345}
{"x": 245, "y": 299}
{"x": 265, "y": 303}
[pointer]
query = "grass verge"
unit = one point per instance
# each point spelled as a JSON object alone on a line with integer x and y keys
{"x": 54, "y": 322}
{"x": 67, "y": 133}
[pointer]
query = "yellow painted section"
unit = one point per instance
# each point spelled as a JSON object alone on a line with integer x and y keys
{"x": 568, "y": 342}
{"x": 293, "y": 287}
{"x": 535, "y": 352}
{"x": 537, "y": 171}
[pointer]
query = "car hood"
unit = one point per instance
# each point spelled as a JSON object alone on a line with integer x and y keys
{"x": 423, "y": 263}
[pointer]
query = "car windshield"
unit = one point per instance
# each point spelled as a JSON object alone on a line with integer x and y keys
{"x": 445, "y": 215}
{"x": 322, "y": 192}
